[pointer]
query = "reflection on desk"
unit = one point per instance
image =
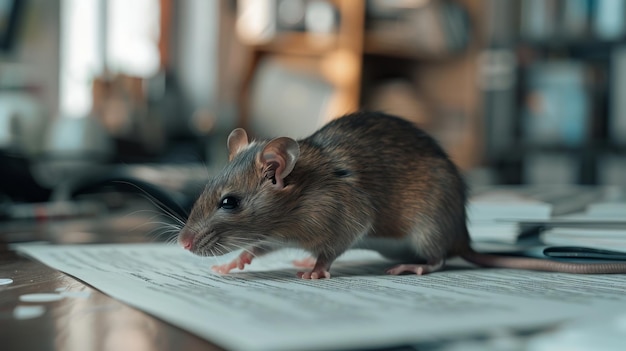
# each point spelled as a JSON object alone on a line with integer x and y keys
{"x": 82, "y": 318}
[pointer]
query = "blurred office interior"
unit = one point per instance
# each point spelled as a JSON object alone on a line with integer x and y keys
{"x": 517, "y": 91}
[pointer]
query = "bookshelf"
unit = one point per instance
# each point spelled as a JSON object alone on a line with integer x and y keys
{"x": 357, "y": 59}
{"x": 562, "y": 115}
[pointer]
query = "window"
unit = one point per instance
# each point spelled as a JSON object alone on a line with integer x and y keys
{"x": 104, "y": 36}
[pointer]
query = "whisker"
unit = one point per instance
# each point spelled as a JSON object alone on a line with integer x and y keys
{"x": 158, "y": 203}
{"x": 165, "y": 230}
{"x": 221, "y": 249}
{"x": 161, "y": 225}
{"x": 172, "y": 240}
{"x": 151, "y": 221}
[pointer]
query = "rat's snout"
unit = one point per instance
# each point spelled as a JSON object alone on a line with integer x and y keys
{"x": 185, "y": 239}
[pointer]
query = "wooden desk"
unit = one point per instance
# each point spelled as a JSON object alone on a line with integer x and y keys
{"x": 88, "y": 319}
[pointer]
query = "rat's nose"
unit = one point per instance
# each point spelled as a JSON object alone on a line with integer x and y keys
{"x": 185, "y": 239}
{"x": 187, "y": 244}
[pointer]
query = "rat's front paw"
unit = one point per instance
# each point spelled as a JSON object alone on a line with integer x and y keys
{"x": 315, "y": 274}
{"x": 224, "y": 268}
{"x": 240, "y": 262}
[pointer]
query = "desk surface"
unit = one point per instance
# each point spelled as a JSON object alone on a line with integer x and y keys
{"x": 91, "y": 321}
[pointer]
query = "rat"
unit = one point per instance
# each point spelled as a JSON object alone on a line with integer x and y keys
{"x": 365, "y": 180}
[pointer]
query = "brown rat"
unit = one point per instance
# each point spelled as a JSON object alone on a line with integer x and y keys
{"x": 366, "y": 180}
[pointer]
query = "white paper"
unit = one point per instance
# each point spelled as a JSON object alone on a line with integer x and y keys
{"x": 494, "y": 231}
{"x": 602, "y": 239}
{"x": 267, "y": 308}
{"x": 601, "y": 226}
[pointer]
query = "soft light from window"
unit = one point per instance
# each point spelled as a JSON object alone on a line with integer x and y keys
{"x": 97, "y": 36}
{"x": 81, "y": 57}
{"x": 132, "y": 37}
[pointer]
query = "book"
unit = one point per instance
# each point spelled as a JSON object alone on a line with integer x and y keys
{"x": 575, "y": 20}
{"x": 613, "y": 239}
{"x": 601, "y": 226}
{"x": 504, "y": 214}
{"x": 433, "y": 28}
{"x": 491, "y": 231}
{"x": 557, "y": 105}
{"x": 609, "y": 19}
{"x": 498, "y": 82}
{"x": 611, "y": 169}
{"x": 538, "y": 19}
{"x": 551, "y": 168}
{"x": 529, "y": 202}
{"x": 499, "y": 31}
{"x": 617, "y": 117}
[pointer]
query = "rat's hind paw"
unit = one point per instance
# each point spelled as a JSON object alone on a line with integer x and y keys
{"x": 240, "y": 262}
{"x": 419, "y": 269}
{"x": 308, "y": 262}
{"x": 315, "y": 274}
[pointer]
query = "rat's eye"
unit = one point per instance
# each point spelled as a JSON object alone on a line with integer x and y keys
{"x": 229, "y": 203}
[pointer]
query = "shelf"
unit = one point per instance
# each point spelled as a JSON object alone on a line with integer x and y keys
{"x": 575, "y": 48}
{"x": 593, "y": 148}
{"x": 357, "y": 58}
{"x": 380, "y": 45}
{"x": 307, "y": 44}
{"x": 302, "y": 44}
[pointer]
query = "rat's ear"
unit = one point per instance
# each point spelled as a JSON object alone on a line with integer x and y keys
{"x": 278, "y": 159}
{"x": 237, "y": 140}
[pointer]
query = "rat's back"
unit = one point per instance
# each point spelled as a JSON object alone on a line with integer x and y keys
{"x": 385, "y": 133}
{"x": 408, "y": 177}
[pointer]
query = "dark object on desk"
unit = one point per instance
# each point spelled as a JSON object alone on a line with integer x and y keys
{"x": 571, "y": 254}
{"x": 583, "y": 253}
{"x": 368, "y": 180}
{"x": 16, "y": 180}
{"x": 172, "y": 188}
{"x": 572, "y": 223}
{"x": 167, "y": 201}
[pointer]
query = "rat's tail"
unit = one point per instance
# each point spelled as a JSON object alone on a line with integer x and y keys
{"x": 537, "y": 264}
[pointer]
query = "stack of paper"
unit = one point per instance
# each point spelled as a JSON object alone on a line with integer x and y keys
{"x": 602, "y": 226}
{"x": 603, "y": 239}
{"x": 493, "y": 212}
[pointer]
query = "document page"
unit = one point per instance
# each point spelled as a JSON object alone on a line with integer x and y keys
{"x": 266, "y": 307}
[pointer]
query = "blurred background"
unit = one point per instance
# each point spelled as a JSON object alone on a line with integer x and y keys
{"x": 517, "y": 91}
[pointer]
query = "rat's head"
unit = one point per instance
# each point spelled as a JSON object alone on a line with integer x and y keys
{"x": 243, "y": 204}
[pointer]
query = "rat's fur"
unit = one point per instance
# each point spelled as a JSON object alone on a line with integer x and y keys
{"x": 362, "y": 176}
